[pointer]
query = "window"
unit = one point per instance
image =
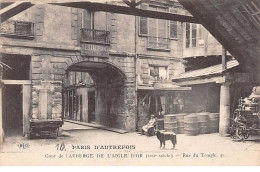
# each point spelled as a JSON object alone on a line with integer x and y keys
{"x": 94, "y": 26}
{"x": 94, "y": 20}
{"x": 158, "y": 73}
{"x": 158, "y": 31}
{"x": 191, "y": 35}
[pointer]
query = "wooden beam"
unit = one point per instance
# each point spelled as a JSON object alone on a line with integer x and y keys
{"x": 128, "y": 11}
{"x": 16, "y": 82}
{"x": 13, "y": 9}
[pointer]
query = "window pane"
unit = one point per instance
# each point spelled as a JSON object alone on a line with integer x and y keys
{"x": 162, "y": 28}
{"x": 152, "y": 27}
{"x": 187, "y": 35}
{"x": 194, "y": 42}
{"x": 210, "y": 40}
{"x": 194, "y": 35}
{"x": 86, "y": 19}
{"x": 201, "y": 36}
{"x": 162, "y": 72}
{"x": 100, "y": 20}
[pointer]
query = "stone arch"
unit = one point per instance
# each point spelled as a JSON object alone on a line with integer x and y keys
{"x": 79, "y": 59}
{"x": 110, "y": 89}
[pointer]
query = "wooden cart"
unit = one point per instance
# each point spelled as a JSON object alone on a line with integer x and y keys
{"x": 44, "y": 128}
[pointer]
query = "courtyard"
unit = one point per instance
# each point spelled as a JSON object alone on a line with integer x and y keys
{"x": 91, "y": 146}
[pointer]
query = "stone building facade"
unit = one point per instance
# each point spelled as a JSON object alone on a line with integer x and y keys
{"x": 72, "y": 57}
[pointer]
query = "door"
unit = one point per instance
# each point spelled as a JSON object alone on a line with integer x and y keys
{"x": 91, "y": 106}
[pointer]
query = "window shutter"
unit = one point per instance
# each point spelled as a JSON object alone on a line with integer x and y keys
{"x": 173, "y": 25}
{"x": 143, "y": 22}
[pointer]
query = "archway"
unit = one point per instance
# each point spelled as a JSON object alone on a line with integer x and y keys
{"x": 94, "y": 92}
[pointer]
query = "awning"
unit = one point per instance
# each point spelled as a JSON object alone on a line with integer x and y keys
{"x": 163, "y": 87}
{"x": 208, "y": 71}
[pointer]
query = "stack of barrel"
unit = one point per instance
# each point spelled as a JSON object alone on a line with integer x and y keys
{"x": 180, "y": 123}
{"x": 170, "y": 123}
{"x": 191, "y": 125}
{"x": 213, "y": 122}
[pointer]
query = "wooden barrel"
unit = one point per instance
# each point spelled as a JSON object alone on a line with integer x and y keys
{"x": 170, "y": 118}
{"x": 203, "y": 122}
{"x": 180, "y": 130}
{"x": 191, "y": 132}
{"x": 170, "y": 123}
{"x": 180, "y": 122}
{"x": 213, "y": 122}
{"x": 160, "y": 124}
{"x": 191, "y": 125}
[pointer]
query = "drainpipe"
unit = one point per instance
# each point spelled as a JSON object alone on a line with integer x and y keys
{"x": 136, "y": 84}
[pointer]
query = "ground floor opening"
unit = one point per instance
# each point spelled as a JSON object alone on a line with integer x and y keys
{"x": 12, "y": 110}
{"x": 95, "y": 93}
{"x": 15, "y": 93}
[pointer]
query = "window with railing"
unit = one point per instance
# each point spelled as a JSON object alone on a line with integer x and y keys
{"x": 19, "y": 29}
{"x": 95, "y": 36}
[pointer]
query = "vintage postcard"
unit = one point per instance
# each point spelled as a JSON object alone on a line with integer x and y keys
{"x": 130, "y": 82}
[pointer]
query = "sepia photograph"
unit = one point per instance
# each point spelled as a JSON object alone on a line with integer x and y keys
{"x": 130, "y": 83}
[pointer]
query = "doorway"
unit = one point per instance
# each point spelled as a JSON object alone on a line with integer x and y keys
{"x": 91, "y": 106}
{"x": 12, "y": 110}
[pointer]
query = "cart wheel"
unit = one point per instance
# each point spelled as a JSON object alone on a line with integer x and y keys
{"x": 54, "y": 134}
{"x": 246, "y": 135}
{"x": 31, "y": 135}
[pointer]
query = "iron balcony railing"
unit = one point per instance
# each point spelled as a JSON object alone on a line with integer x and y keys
{"x": 158, "y": 43}
{"x": 96, "y": 36}
{"x": 20, "y": 29}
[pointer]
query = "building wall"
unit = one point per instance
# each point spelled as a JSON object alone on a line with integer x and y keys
{"x": 203, "y": 97}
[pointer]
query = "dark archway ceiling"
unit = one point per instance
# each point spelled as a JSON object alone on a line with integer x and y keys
{"x": 235, "y": 24}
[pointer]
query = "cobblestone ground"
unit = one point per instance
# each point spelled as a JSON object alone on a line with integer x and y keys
{"x": 210, "y": 149}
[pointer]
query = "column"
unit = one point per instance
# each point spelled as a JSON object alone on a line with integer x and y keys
{"x": 1, "y": 111}
{"x": 224, "y": 119}
{"x": 26, "y": 108}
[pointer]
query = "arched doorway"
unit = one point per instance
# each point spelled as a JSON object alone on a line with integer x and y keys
{"x": 94, "y": 92}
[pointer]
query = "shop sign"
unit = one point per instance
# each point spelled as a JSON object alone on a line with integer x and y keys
{"x": 94, "y": 50}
